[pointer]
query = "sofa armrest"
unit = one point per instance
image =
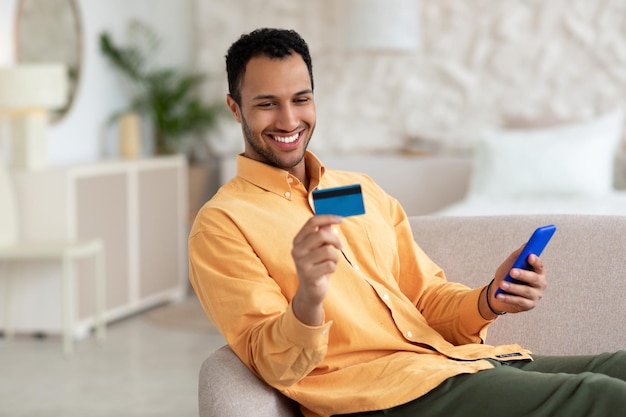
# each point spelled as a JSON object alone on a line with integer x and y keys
{"x": 227, "y": 388}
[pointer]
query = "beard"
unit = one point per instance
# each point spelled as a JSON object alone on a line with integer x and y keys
{"x": 266, "y": 153}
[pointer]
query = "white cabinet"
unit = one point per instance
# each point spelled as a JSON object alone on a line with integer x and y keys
{"x": 138, "y": 208}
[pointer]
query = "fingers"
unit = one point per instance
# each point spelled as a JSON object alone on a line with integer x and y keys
{"x": 308, "y": 235}
{"x": 538, "y": 267}
{"x": 315, "y": 254}
{"x": 525, "y": 295}
{"x": 535, "y": 278}
{"x": 315, "y": 242}
{"x": 506, "y": 266}
{"x": 315, "y": 263}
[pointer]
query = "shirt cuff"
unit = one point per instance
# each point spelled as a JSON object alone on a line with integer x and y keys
{"x": 473, "y": 321}
{"x": 303, "y": 335}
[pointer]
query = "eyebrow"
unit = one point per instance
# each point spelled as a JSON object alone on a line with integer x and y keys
{"x": 270, "y": 96}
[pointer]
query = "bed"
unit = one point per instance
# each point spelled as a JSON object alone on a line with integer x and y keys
{"x": 567, "y": 169}
{"x": 611, "y": 204}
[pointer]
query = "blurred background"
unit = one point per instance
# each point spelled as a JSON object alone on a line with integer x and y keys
{"x": 469, "y": 65}
{"x": 113, "y": 130}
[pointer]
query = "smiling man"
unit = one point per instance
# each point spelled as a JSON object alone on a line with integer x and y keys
{"x": 274, "y": 104}
{"x": 349, "y": 315}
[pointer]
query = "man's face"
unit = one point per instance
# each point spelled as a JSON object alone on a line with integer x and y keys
{"x": 277, "y": 111}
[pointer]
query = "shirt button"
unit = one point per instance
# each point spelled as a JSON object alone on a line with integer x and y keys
{"x": 325, "y": 331}
{"x": 289, "y": 180}
{"x": 409, "y": 334}
{"x": 386, "y": 297}
{"x": 356, "y": 267}
{"x": 287, "y": 194}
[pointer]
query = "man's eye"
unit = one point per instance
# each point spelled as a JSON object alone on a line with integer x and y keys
{"x": 302, "y": 100}
{"x": 266, "y": 105}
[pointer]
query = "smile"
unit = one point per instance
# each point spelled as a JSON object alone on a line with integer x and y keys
{"x": 286, "y": 139}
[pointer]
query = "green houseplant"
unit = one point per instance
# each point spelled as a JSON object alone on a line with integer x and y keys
{"x": 166, "y": 96}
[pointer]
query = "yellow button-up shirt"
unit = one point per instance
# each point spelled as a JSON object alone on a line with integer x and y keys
{"x": 394, "y": 327}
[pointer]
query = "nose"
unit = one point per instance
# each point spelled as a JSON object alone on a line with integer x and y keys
{"x": 287, "y": 118}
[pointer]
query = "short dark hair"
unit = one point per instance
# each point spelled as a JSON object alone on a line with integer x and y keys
{"x": 272, "y": 43}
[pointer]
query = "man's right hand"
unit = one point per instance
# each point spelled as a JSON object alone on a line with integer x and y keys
{"x": 315, "y": 255}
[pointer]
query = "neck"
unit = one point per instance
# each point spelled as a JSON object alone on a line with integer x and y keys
{"x": 301, "y": 173}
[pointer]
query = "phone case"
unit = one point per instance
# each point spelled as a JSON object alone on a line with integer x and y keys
{"x": 535, "y": 245}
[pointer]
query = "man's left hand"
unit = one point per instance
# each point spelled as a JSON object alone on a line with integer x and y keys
{"x": 523, "y": 296}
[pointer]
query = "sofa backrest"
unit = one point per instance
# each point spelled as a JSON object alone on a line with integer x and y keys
{"x": 583, "y": 310}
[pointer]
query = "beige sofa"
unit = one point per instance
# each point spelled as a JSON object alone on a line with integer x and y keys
{"x": 583, "y": 310}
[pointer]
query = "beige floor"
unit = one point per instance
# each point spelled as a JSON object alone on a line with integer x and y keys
{"x": 145, "y": 368}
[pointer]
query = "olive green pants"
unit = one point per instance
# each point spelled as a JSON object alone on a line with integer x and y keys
{"x": 568, "y": 386}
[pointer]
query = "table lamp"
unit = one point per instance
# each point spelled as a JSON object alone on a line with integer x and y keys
{"x": 27, "y": 93}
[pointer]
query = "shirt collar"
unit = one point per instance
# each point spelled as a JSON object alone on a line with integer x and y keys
{"x": 278, "y": 180}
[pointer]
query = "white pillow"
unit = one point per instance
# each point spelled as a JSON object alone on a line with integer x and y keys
{"x": 570, "y": 160}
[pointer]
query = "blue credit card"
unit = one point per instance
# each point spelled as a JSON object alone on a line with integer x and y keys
{"x": 341, "y": 201}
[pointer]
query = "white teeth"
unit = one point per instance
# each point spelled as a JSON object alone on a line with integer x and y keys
{"x": 287, "y": 139}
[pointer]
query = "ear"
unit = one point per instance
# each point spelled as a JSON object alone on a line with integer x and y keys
{"x": 234, "y": 107}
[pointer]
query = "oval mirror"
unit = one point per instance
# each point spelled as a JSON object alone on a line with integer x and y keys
{"x": 50, "y": 31}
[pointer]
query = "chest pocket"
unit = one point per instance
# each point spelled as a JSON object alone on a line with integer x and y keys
{"x": 371, "y": 245}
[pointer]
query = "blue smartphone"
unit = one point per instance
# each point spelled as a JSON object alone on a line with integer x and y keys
{"x": 535, "y": 245}
{"x": 342, "y": 201}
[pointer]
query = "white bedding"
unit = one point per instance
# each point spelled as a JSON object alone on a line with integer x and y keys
{"x": 610, "y": 204}
{"x": 567, "y": 169}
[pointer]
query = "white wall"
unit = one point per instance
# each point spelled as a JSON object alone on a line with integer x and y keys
{"x": 7, "y": 11}
{"x": 483, "y": 63}
{"x": 82, "y": 135}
